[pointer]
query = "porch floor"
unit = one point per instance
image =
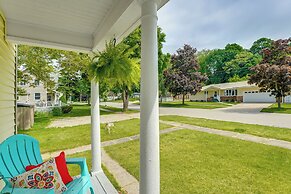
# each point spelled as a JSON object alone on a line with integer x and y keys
{"x": 101, "y": 184}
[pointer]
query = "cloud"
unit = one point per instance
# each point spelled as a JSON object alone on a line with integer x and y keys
{"x": 208, "y": 24}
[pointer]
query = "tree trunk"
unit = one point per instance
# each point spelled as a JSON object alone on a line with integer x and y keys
{"x": 80, "y": 98}
{"x": 183, "y": 100}
{"x": 279, "y": 102}
{"x": 125, "y": 97}
{"x": 88, "y": 99}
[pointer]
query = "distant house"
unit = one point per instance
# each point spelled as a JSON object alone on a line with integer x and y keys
{"x": 234, "y": 92}
{"x": 37, "y": 94}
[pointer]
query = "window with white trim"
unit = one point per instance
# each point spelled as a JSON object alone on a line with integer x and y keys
{"x": 37, "y": 96}
{"x": 230, "y": 92}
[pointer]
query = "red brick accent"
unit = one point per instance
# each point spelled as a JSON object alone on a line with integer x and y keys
{"x": 231, "y": 98}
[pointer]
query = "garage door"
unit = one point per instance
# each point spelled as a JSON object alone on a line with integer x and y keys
{"x": 255, "y": 96}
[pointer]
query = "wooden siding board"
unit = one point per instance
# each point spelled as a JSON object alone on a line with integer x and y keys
{"x": 7, "y": 86}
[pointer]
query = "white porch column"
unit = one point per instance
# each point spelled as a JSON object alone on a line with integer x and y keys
{"x": 95, "y": 128}
{"x": 149, "y": 115}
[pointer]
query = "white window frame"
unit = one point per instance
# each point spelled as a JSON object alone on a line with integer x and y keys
{"x": 35, "y": 96}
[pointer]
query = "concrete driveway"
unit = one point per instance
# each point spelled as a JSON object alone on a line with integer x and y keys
{"x": 244, "y": 113}
{"x": 245, "y": 108}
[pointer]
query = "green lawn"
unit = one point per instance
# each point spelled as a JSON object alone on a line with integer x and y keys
{"x": 202, "y": 105}
{"x": 120, "y": 100}
{"x": 116, "y": 110}
{"x": 286, "y": 109}
{"x": 85, "y": 110}
{"x": 196, "y": 162}
{"x": 258, "y": 130}
{"x": 75, "y": 169}
{"x": 54, "y": 139}
{"x": 42, "y": 120}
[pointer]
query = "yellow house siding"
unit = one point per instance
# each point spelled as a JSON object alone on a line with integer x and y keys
{"x": 241, "y": 91}
{"x": 7, "y": 85}
{"x": 199, "y": 96}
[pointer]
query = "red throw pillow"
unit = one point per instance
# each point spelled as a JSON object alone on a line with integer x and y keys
{"x": 61, "y": 165}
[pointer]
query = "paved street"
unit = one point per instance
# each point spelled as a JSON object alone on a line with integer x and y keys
{"x": 245, "y": 113}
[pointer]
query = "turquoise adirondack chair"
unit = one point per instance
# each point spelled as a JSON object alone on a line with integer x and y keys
{"x": 19, "y": 151}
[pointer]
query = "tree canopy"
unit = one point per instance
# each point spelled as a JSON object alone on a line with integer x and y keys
{"x": 260, "y": 44}
{"x": 273, "y": 74}
{"x": 183, "y": 77}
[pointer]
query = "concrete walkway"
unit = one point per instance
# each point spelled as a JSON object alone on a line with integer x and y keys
{"x": 241, "y": 136}
{"x": 128, "y": 182}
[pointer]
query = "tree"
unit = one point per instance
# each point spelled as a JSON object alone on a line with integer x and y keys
{"x": 36, "y": 62}
{"x": 115, "y": 66}
{"x": 241, "y": 64}
{"x": 201, "y": 58}
{"x": 134, "y": 41}
{"x": 260, "y": 44}
{"x": 73, "y": 71}
{"x": 214, "y": 61}
{"x": 237, "y": 78}
{"x": 273, "y": 74}
{"x": 183, "y": 77}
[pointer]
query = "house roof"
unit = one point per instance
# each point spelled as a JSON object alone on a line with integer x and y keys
{"x": 70, "y": 24}
{"x": 224, "y": 86}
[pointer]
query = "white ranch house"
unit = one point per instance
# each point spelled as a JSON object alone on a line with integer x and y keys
{"x": 234, "y": 92}
{"x": 85, "y": 26}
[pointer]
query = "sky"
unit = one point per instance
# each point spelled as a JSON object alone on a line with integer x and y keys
{"x": 209, "y": 24}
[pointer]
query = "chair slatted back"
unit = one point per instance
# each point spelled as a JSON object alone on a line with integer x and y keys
{"x": 17, "y": 152}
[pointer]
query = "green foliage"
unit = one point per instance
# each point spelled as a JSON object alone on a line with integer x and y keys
{"x": 273, "y": 74}
{"x": 73, "y": 70}
{"x": 57, "y": 111}
{"x": 134, "y": 42}
{"x": 260, "y": 44}
{"x": 237, "y": 78}
{"x": 42, "y": 62}
{"x": 232, "y": 63}
{"x": 36, "y": 62}
{"x": 213, "y": 62}
{"x": 241, "y": 64}
{"x": 235, "y": 48}
{"x": 202, "y": 56}
{"x": 67, "y": 109}
{"x": 115, "y": 65}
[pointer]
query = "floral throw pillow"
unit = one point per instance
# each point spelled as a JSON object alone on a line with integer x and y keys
{"x": 44, "y": 177}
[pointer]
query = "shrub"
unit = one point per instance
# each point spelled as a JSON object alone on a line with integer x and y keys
{"x": 56, "y": 111}
{"x": 67, "y": 109}
{"x": 39, "y": 114}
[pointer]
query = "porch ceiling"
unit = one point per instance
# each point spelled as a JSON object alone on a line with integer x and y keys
{"x": 70, "y": 24}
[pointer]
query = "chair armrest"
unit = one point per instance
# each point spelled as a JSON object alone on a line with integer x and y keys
{"x": 27, "y": 191}
{"x": 81, "y": 162}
